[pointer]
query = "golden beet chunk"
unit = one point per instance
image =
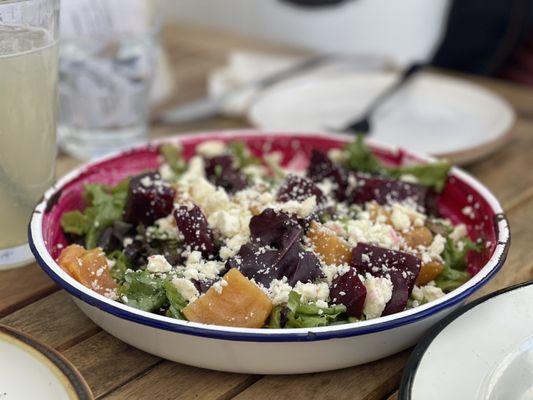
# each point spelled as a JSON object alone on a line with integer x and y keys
{"x": 418, "y": 236}
{"x": 429, "y": 272}
{"x": 240, "y": 303}
{"x": 89, "y": 267}
{"x": 332, "y": 248}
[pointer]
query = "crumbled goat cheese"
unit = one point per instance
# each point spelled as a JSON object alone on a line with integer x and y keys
{"x": 400, "y": 219}
{"x": 331, "y": 271}
{"x": 375, "y": 233}
{"x": 427, "y": 293}
{"x": 198, "y": 269}
{"x": 437, "y": 246}
{"x": 378, "y": 294}
{"x": 230, "y": 222}
{"x": 469, "y": 212}
{"x": 158, "y": 263}
{"x": 409, "y": 178}
{"x": 302, "y": 209}
{"x": 166, "y": 172}
{"x": 167, "y": 226}
{"x": 219, "y": 285}
{"x": 211, "y": 148}
{"x": 195, "y": 171}
{"x": 312, "y": 291}
{"x": 186, "y": 288}
{"x": 208, "y": 197}
{"x": 278, "y": 291}
{"x": 127, "y": 241}
{"x": 459, "y": 232}
{"x": 404, "y": 210}
{"x": 233, "y": 245}
{"x": 326, "y": 186}
{"x": 337, "y": 155}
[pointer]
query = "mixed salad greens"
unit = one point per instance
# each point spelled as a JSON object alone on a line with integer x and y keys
{"x": 229, "y": 238}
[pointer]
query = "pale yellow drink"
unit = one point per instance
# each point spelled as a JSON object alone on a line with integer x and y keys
{"x": 28, "y": 78}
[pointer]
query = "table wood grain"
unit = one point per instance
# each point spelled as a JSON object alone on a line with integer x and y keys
{"x": 31, "y": 302}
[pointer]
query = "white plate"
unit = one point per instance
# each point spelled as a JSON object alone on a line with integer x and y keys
{"x": 434, "y": 114}
{"x": 483, "y": 351}
{"x": 31, "y": 370}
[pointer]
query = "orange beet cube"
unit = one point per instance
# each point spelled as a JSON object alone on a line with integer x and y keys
{"x": 429, "y": 272}
{"x": 331, "y": 248}
{"x": 240, "y": 303}
{"x": 89, "y": 267}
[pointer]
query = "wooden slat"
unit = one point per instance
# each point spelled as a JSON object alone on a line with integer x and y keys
{"x": 371, "y": 381}
{"x": 177, "y": 381}
{"x": 106, "y": 363}
{"x": 22, "y": 286}
{"x": 55, "y": 320}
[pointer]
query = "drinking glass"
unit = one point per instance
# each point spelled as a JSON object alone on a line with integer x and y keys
{"x": 107, "y": 60}
{"x": 28, "y": 98}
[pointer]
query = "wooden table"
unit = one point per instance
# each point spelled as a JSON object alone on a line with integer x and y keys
{"x": 31, "y": 302}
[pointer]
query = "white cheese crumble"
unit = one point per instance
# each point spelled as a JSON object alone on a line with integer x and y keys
{"x": 219, "y": 286}
{"x": 331, "y": 271}
{"x": 233, "y": 245}
{"x": 302, "y": 209}
{"x": 378, "y": 294}
{"x": 211, "y": 148}
{"x": 427, "y": 293}
{"x": 158, "y": 264}
{"x": 198, "y": 269}
{"x": 186, "y": 288}
{"x": 374, "y": 233}
{"x": 278, "y": 291}
{"x": 312, "y": 291}
{"x": 459, "y": 232}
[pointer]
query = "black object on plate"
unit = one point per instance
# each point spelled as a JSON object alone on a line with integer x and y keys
{"x": 362, "y": 124}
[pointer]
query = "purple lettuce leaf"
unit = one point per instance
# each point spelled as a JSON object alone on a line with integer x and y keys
{"x": 400, "y": 267}
{"x": 193, "y": 225}
{"x": 275, "y": 251}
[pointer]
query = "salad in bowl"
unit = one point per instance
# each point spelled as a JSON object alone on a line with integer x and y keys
{"x": 225, "y": 237}
{"x": 268, "y": 252}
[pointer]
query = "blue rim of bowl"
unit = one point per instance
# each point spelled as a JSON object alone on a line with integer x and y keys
{"x": 411, "y": 368}
{"x": 268, "y": 335}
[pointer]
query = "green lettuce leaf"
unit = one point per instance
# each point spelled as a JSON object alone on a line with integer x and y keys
{"x": 303, "y": 315}
{"x": 104, "y": 206}
{"x": 242, "y": 154}
{"x": 433, "y": 174}
{"x": 455, "y": 263}
{"x": 122, "y": 264}
{"x": 175, "y": 299}
{"x": 360, "y": 158}
{"x": 174, "y": 158}
{"x": 144, "y": 290}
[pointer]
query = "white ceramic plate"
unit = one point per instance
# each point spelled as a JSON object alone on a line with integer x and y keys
{"x": 31, "y": 370}
{"x": 483, "y": 351}
{"x": 433, "y": 114}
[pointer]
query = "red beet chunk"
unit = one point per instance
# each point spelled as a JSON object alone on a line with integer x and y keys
{"x": 400, "y": 267}
{"x": 348, "y": 290}
{"x": 149, "y": 198}
{"x": 321, "y": 167}
{"x": 299, "y": 189}
{"x": 384, "y": 191}
{"x": 193, "y": 225}
{"x": 221, "y": 172}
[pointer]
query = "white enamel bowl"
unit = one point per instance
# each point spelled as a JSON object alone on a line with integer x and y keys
{"x": 262, "y": 351}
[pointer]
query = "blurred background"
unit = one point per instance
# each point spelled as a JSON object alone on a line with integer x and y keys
{"x": 388, "y": 69}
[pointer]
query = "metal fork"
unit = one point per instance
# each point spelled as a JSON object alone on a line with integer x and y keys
{"x": 362, "y": 124}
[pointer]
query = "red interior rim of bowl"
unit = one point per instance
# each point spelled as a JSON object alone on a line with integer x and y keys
{"x": 457, "y": 197}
